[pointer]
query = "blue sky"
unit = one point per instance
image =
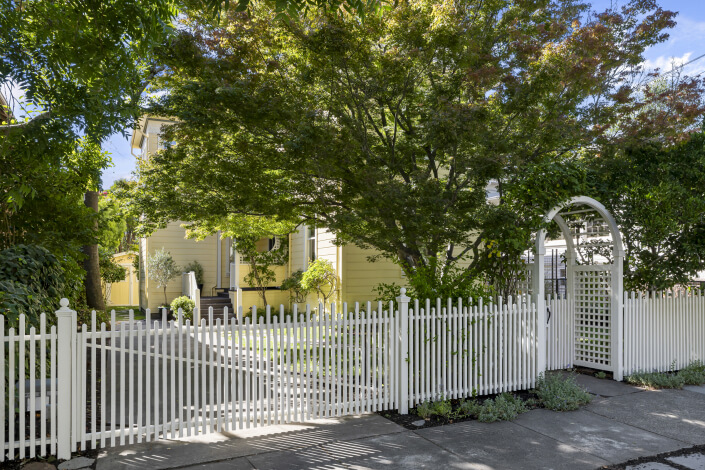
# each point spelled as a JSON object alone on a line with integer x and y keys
{"x": 686, "y": 42}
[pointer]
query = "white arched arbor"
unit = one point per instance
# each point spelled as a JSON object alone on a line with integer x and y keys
{"x": 594, "y": 290}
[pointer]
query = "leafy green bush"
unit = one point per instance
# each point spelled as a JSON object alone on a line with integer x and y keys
{"x": 693, "y": 373}
{"x": 468, "y": 408}
{"x": 186, "y": 305}
{"x": 297, "y": 292}
{"x": 442, "y": 408}
{"x": 85, "y": 316}
{"x": 32, "y": 281}
{"x": 600, "y": 375}
{"x": 424, "y": 410}
{"x": 656, "y": 380}
{"x": 561, "y": 393}
{"x": 322, "y": 278}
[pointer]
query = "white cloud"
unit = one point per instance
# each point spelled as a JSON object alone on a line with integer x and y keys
{"x": 665, "y": 63}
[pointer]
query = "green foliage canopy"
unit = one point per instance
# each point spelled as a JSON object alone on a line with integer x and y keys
{"x": 31, "y": 282}
{"x": 655, "y": 193}
{"x": 321, "y": 277}
{"x": 388, "y": 131}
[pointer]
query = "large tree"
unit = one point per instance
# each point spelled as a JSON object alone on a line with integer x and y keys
{"x": 74, "y": 73}
{"x": 388, "y": 130}
{"x": 655, "y": 192}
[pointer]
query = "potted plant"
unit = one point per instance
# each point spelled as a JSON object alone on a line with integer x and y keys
{"x": 162, "y": 269}
{"x": 197, "y": 269}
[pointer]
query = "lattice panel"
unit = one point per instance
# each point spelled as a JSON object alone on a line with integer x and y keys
{"x": 592, "y": 317}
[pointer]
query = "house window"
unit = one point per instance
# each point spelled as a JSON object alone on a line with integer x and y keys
{"x": 311, "y": 243}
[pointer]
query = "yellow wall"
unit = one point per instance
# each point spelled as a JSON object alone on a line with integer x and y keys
{"x": 274, "y": 297}
{"x": 357, "y": 276}
{"x": 361, "y": 276}
{"x": 120, "y": 291}
{"x": 184, "y": 251}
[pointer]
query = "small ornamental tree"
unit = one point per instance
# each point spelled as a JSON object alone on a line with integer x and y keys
{"x": 162, "y": 269}
{"x": 322, "y": 278}
{"x": 297, "y": 293}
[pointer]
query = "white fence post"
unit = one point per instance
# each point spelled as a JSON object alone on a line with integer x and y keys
{"x": 403, "y": 352}
{"x": 64, "y": 379}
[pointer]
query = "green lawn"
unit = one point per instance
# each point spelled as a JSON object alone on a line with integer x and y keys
{"x": 122, "y": 312}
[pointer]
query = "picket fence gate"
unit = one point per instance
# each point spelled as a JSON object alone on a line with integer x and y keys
{"x": 168, "y": 379}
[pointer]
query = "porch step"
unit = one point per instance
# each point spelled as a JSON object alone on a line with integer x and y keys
{"x": 218, "y": 303}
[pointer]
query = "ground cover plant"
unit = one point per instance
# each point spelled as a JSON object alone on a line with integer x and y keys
{"x": 556, "y": 392}
{"x": 692, "y": 374}
{"x": 656, "y": 380}
{"x": 560, "y": 392}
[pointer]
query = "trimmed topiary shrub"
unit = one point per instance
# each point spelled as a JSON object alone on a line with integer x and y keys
{"x": 186, "y": 305}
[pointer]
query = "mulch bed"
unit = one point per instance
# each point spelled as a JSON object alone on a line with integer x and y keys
{"x": 407, "y": 420}
{"x": 17, "y": 463}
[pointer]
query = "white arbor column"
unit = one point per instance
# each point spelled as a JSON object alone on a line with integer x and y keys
{"x": 539, "y": 298}
{"x": 617, "y": 318}
{"x": 218, "y": 261}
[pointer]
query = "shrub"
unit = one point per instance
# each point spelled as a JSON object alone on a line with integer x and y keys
{"x": 504, "y": 407}
{"x": 85, "y": 316}
{"x": 297, "y": 292}
{"x": 693, "y": 374}
{"x": 197, "y": 269}
{"x": 656, "y": 380}
{"x": 32, "y": 281}
{"x": 468, "y": 408}
{"x": 186, "y": 305}
{"x": 322, "y": 278}
{"x": 600, "y": 375}
{"x": 561, "y": 393}
{"x": 424, "y": 410}
{"x": 110, "y": 272}
{"x": 442, "y": 408}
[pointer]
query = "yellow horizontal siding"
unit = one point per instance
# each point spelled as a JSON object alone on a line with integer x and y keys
{"x": 361, "y": 276}
{"x": 184, "y": 251}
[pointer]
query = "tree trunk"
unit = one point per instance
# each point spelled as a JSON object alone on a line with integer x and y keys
{"x": 94, "y": 294}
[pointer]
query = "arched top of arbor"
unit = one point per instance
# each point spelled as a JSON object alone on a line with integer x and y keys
{"x": 557, "y": 215}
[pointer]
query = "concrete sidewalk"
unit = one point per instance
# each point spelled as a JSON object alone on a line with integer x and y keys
{"x": 622, "y": 423}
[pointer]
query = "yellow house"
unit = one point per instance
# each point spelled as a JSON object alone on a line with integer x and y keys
{"x": 225, "y": 271}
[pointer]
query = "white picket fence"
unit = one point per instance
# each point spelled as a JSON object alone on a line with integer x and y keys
{"x": 28, "y": 387}
{"x": 663, "y": 330}
{"x": 456, "y": 350}
{"x": 142, "y": 381}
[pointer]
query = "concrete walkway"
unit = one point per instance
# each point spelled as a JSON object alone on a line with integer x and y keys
{"x": 622, "y": 423}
